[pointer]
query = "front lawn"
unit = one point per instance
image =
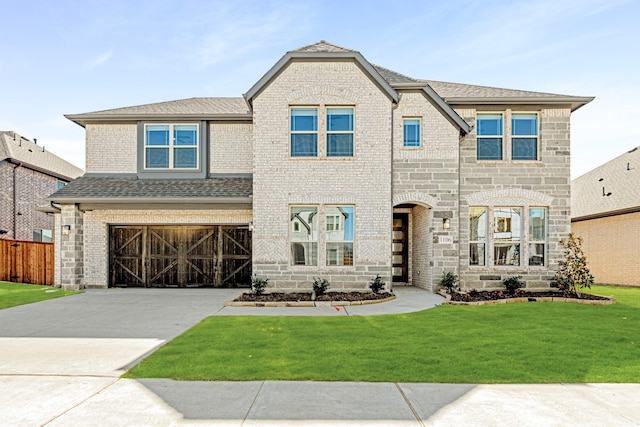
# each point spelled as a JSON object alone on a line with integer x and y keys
{"x": 504, "y": 343}
{"x": 12, "y": 294}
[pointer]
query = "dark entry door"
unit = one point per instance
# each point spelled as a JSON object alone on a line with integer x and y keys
{"x": 180, "y": 256}
{"x": 400, "y": 264}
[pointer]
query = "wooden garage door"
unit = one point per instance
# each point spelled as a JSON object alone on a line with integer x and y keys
{"x": 179, "y": 256}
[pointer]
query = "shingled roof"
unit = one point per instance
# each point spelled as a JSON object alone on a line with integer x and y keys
{"x": 18, "y": 149}
{"x": 609, "y": 189}
{"x": 97, "y": 189}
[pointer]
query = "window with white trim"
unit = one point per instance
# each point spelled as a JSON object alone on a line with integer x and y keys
{"x": 327, "y": 229}
{"x": 171, "y": 146}
{"x": 489, "y": 132}
{"x": 411, "y": 132}
{"x": 339, "y": 235}
{"x": 334, "y": 138}
{"x": 509, "y": 236}
{"x": 524, "y": 136}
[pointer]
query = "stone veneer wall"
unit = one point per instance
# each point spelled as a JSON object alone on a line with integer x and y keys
{"x": 363, "y": 181}
{"x": 96, "y": 230}
{"x": 542, "y": 183}
{"x": 71, "y": 248}
{"x": 428, "y": 177}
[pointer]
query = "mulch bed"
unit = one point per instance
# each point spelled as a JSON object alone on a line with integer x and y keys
{"x": 475, "y": 295}
{"x": 306, "y": 296}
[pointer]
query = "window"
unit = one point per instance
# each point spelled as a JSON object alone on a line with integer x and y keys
{"x": 61, "y": 184}
{"x": 340, "y": 132}
{"x": 42, "y": 235}
{"x": 513, "y": 230}
{"x": 171, "y": 146}
{"x": 506, "y": 236}
{"x": 537, "y": 235}
{"x": 524, "y": 136}
{"x": 339, "y": 222}
{"x": 489, "y": 136}
{"x": 304, "y": 235}
{"x": 411, "y": 132}
{"x": 304, "y": 132}
{"x": 477, "y": 235}
{"x": 336, "y": 237}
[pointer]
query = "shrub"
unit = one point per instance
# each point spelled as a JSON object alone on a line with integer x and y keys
{"x": 449, "y": 281}
{"x": 377, "y": 284}
{"x": 320, "y": 285}
{"x": 573, "y": 274}
{"x": 258, "y": 284}
{"x": 512, "y": 283}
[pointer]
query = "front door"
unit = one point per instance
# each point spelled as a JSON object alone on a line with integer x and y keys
{"x": 400, "y": 264}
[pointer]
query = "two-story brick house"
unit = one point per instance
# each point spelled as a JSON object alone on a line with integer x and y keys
{"x": 330, "y": 167}
{"x": 28, "y": 175}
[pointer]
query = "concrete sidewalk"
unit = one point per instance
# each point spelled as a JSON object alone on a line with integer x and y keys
{"x": 60, "y": 362}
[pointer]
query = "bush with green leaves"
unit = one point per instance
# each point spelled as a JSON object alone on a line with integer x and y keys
{"x": 377, "y": 284}
{"x": 258, "y": 284}
{"x": 320, "y": 285}
{"x": 573, "y": 274}
{"x": 449, "y": 281}
{"x": 511, "y": 284}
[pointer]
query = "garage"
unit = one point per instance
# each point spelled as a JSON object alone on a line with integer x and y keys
{"x": 179, "y": 256}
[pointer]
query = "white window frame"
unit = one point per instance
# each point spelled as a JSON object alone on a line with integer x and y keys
{"x": 172, "y": 147}
{"x": 322, "y": 133}
{"x": 536, "y": 136}
{"x": 351, "y": 132}
{"x": 502, "y": 135}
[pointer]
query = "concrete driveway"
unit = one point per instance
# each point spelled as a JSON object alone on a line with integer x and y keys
{"x": 60, "y": 362}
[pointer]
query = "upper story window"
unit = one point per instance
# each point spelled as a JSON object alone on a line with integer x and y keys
{"x": 61, "y": 184}
{"x": 42, "y": 235}
{"x": 340, "y": 131}
{"x": 411, "y": 133}
{"x": 337, "y": 131}
{"x": 489, "y": 131}
{"x": 171, "y": 146}
{"x": 524, "y": 136}
{"x": 304, "y": 132}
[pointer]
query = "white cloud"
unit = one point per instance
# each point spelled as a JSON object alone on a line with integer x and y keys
{"x": 99, "y": 60}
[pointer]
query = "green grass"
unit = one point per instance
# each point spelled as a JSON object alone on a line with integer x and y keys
{"x": 505, "y": 343}
{"x": 12, "y": 294}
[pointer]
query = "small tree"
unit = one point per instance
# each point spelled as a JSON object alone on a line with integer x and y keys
{"x": 573, "y": 274}
{"x": 377, "y": 284}
{"x": 449, "y": 281}
{"x": 258, "y": 284}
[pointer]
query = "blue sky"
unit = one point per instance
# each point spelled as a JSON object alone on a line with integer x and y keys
{"x": 62, "y": 57}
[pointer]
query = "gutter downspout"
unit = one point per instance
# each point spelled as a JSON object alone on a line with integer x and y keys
{"x": 15, "y": 201}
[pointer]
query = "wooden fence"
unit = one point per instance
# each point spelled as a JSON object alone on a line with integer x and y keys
{"x": 26, "y": 262}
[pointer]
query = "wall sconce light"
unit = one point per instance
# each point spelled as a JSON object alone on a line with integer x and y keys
{"x": 66, "y": 229}
{"x": 250, "y": 225}
{"x": 445, "y": 223}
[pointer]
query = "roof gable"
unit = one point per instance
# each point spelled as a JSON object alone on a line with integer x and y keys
{"x": 17, "y": 149}
{"x": 608, "y": 189}
{"x": 322, "y": 51}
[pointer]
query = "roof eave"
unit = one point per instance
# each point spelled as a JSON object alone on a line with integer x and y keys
{"x": 154, "y": 200}
{"x": 606, "y": 214}
{"x": 289, "y": 56}
{"x": 83, "y": 119}
{"x": 574, "y": 101}
{"x": 441, "y": 104}
{"x": 45, "y": 171}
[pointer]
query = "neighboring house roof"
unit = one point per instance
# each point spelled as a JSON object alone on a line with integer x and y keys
{"x": 609, "y": 189}
{"x": 191, "y": 108}
{"x": 101, "y": 189}
{"x": 19, "y": 150}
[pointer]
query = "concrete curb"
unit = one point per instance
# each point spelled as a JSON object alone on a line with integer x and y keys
{"x": 305, "y": 303}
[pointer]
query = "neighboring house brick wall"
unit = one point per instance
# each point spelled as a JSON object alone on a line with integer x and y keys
{"x": 611, "y": 246}
{"x": 547, "y": 180}
{"x": 231, "y": 147}
{"x": 112, "y": 148}
{"x": 96, "y": 231}
{"x": 32, "y": 188}
{"x": 281, "y": 181}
